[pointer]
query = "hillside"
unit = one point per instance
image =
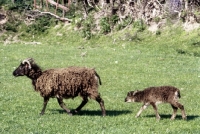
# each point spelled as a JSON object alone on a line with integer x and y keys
{"x": 139, "y": 22}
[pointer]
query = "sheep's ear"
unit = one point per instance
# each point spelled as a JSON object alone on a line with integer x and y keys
{"x": 27, "y": 65}
{"x": 27, "y": 62}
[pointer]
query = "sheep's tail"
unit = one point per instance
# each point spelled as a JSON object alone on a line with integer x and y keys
{"x": 98, "y": 77}
{"x": 179, "y": 94}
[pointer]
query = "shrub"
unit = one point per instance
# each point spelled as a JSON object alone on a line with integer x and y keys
{"x": 105, "y": 25}
{"x": 86, "y": 31}
{"x": 139, "y": 25}
{"x": 41, "y": 25}
{"x": 87, "y": 27}
{"x": 10, "y": 27}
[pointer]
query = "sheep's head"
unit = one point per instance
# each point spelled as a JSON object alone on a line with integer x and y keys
{"x": 130, "y": 96}
{"x": 24, "y": 68}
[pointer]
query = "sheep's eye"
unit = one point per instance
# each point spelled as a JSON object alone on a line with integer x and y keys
{"x": 22, "y": 66}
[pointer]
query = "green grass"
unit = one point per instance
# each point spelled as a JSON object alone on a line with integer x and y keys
{"x": 123, "y": 65}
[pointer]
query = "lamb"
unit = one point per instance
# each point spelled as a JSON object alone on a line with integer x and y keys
{"x": 155, "y": 95}
{"x": 62, "y": 84}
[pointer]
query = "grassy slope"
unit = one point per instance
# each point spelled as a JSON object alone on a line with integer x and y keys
{"x": 123, "y": 66}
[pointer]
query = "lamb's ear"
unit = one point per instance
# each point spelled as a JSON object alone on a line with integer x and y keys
{"x": 129, "y": 93}
{"x": 135, "y": 92}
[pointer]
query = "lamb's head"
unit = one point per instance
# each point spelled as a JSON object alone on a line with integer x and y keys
{"x": 130, "y": 96}
{"x": 24, "y": 67}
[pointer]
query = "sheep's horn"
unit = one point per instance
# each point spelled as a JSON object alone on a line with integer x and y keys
{"x": 28, "y": 62}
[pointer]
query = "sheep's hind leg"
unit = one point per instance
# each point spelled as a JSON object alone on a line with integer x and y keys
{"x": 46, "y": 99}
{"x": 101, "y": 103}
{"x": 62, "y": 105}
{"x": 85, "y": 100}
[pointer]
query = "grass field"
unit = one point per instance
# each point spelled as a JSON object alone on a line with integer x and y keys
{"x": 124, "y": 63}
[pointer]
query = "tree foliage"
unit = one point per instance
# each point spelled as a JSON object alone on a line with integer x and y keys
{"x": 107, "y": 15}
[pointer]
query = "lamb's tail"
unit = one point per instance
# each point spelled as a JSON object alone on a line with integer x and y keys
{"x": 177, "y": 94}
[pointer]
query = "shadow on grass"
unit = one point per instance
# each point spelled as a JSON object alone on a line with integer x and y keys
{"x": 192, "y": 117}
{"x": 178, "y": 117}
{"x": 94, "y": 112}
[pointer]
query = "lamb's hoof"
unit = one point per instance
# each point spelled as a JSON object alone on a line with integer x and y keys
{"x": 185, "y": 118}
{"x": 104, "y": 114}
{"x": 70, "y": 114}
{"x": 157, "y": 118}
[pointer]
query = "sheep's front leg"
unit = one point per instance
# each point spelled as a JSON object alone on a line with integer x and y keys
{"x": 141, "y": 109}
{"x": 156, "y": 111}
{"x": 62, "y": 105}
{"x": 46, "y": 99}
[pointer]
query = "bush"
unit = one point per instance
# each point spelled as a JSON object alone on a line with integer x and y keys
{"x": 86, "y": 31}
{"x": 139, "y": 25}
{"x": 105, "y": 25}
{"x": 41, "y": 25}
{"x": 87, "y": 27}
{"x": 10, "y": 27}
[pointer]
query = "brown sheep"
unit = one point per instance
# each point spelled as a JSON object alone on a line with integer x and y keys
{"x": 62, "y": 83}
{"x": 155, "y": 95}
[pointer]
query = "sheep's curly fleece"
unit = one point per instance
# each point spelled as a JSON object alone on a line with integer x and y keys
{"x": 68, "y": 82}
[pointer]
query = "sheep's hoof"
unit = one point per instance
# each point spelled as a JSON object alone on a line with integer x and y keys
{"x": 42, "y": 113}
{"x": 74, "y": 111}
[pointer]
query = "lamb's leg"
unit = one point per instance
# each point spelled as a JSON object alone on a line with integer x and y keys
{"x": 85, "y": 100}
{"x": 174, "y": 112}
{"x": 144, "y": 106}
{"x": 182, "y": 110}
{"x": 101, "y": 103}
{"x": 156, "y": 111}
{"x": 62, "y": 105}
{"x": 46, "y": 99}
